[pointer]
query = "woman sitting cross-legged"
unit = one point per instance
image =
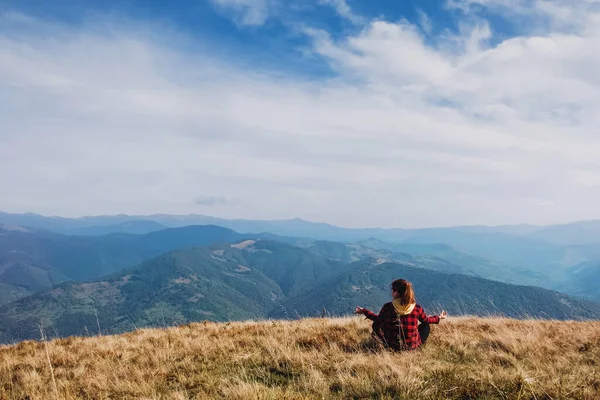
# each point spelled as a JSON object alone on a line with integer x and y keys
{"x": 397, "y": 325}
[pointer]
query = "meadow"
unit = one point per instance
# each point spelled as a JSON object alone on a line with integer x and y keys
{"x": 324, "y": 358}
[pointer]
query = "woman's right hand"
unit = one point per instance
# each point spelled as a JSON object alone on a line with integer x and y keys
{"x": 443, "y": 314}
{"x": 359, "y": 310}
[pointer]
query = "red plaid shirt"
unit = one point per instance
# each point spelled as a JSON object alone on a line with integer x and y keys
{"x": 387, "y": 326}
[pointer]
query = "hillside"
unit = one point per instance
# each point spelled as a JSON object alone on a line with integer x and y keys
{"x": 220, "y": 282}
{"x": 32, "y": 261}
{"x": 438, "y": 257}
{"x": 465, "y": 358}
{"x": 10, "y": 293}
{"x": 367, "y": 285}
{"x": 510, "y": 254}
{"x": 256, "y": 279}
{"x": 87, "y": 257}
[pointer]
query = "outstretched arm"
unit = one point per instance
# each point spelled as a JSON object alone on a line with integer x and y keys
{"x": 435, "y": 319}
{"x": 367, "y": 313}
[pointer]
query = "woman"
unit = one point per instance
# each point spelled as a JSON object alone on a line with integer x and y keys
{"x": 397, "y": 324}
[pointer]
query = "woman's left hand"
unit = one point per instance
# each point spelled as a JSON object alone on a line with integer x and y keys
{"x": 443, "y": 314}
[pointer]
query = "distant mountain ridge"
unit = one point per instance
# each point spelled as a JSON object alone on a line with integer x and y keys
{"x": 139, "y": 227}
{"x": 574, "y": 233}
{"x": 543, "y": 247}
{"x": 437, "y": 257}
{"x": 32, "y": 259}
{"x": 584, "y": 280}
{"x": 258, "y": 279}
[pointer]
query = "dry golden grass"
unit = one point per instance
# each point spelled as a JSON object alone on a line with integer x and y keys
{"x": 312, "y": 359}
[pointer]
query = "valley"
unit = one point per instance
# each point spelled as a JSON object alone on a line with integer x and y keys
{"x": 118, "y": 282}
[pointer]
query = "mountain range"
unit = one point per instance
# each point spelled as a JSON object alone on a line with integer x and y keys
{"x": 33, "y": 260}
{"x": 368, "y": 285}
{"x": 570, "y": 234}
{"x": 121, "y": 272}
{"x": 255, "y": 279}
{"x": 549, "y": 249}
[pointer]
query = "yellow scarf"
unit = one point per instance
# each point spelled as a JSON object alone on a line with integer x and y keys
{"x": 403, "y": 309}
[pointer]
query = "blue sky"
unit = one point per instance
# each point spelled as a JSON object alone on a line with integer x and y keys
{"x": 358, "y": 113}
{"x": 266, "y": 33}
{"x": 274, "y": 40}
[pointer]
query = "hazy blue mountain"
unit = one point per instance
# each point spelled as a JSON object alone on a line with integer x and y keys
{"x": 525, "y": 253}
{"x": 367, "y": 285}
{"x": 256, "y": 279}
{"x": 510, "y": 248}
{"x": 582, "y": 280}
{"x": 90, "y": 257}
{"x": 31, "y": 261}
{"x": 506, "y": 253}
{"x": 575, "y": 233}
{"x": 561, "y": 271}
{"x": 292, "y": 227}
{"x": 22, "y": 269}
{"x": 60, "y": 224}
{"x": 515, "y": 245}
{"x": 139, "y": 227}
{"x": 521, "y": 229}
{"x": 6, "y": 228}
{"x": 438, "y": 257}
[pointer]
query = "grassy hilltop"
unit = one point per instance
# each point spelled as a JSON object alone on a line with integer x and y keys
{"x": 485, "y": 358}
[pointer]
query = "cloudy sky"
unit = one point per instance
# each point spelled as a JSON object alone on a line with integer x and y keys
{"x": 392, "y": 113}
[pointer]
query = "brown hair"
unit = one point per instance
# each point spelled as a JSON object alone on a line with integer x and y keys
{"x": 406, "y": 294}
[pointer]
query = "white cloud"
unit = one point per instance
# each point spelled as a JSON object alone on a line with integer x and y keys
{"x": 343, "y": 10}
{"x": 425, "y": 22}
{"x": 409, "y": 133}
{"x": 539, "y": 15}
{"x": 247, "y": 12}
{"x": 216, "y": 200}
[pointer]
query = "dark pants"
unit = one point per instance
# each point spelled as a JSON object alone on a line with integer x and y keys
{"x": 424, "y": 330}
